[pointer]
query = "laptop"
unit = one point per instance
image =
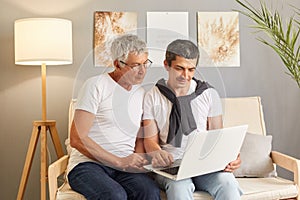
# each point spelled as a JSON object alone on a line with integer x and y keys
{"x": 206, "y": 152}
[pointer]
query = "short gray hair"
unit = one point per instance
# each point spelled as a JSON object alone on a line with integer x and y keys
{"x": 183, "y": 48}
{"x": 125, "y": 44}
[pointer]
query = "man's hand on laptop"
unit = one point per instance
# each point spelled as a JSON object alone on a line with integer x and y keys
{"x": 161, "y": 158}
{"x": 233, "y": 165}
{"x": 132, "y": 163}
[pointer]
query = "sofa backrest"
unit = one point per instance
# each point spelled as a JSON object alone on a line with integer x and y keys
{"x": 236, "y": 111}
{"x": 244, "y": 110}
{"x": 71, "y": 114}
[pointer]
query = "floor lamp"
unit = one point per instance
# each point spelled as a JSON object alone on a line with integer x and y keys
{"x": 42, "y": 41}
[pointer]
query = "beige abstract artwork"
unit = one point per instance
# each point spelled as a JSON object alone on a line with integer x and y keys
{"x": 218, "y": 39}
{"x": 108, "y": 25}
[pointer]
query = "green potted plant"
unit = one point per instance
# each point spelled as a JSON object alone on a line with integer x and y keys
{"x": 283, "y": 38}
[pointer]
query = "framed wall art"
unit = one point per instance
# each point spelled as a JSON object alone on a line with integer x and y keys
{"x": 107, "y": 25}
{"x": 218, "y": 39}
{"x": 162, "y": 28}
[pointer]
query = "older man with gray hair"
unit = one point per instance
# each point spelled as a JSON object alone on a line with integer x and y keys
{"x": 105, "y": 162}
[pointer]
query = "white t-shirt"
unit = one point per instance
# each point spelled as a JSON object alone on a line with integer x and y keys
{"x": 158, "y": 107}
{"x": 118, "y": 114}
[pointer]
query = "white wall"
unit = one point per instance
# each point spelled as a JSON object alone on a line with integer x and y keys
{"x": 261, "y": 73}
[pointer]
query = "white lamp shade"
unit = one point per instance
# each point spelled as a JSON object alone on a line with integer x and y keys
{"x": 43, "y": 41}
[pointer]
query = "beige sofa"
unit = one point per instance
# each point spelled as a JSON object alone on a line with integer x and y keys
{"x": 237, "y": 111}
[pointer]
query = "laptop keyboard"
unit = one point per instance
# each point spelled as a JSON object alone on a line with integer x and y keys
{"x": 172, "y": 170}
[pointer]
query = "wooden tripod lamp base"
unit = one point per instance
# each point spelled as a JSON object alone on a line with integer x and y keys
{"x": 40, "y": 129}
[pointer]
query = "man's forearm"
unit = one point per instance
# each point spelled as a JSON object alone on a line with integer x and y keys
{"x": 151, "y": 146}
{"x": 91, "y": 149}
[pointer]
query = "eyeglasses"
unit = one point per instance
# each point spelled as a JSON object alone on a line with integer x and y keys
{"x": 137, "y": 67}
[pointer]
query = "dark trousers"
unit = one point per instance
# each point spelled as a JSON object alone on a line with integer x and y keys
{"x": 99, "y": 182}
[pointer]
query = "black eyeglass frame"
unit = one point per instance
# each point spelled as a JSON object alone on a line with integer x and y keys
{"x": 136, "y": 67}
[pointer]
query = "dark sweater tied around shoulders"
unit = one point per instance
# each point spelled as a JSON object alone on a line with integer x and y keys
{"x": 181, "y": 119}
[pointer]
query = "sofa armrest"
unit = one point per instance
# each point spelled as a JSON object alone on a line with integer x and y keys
{"x": 289, "y": 163}
{"x": 56, "y": 169}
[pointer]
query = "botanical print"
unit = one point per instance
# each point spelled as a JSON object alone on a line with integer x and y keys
{"x": 218, "y": 38}
{"x": 107, "y": 25}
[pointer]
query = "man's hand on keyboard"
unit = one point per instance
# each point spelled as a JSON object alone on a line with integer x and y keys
{"x": 161, "y": 158}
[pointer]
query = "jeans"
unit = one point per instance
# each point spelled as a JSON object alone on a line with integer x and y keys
{"x": 95, "y": 181}
{"x": 220, "y": 185}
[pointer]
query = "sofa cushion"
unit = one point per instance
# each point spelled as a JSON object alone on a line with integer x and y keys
{"x": 267, "y": 188}
{"x": 255, "y": 156}
{"x": 253, "y": 189}
{"x": 66, "y": 193}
